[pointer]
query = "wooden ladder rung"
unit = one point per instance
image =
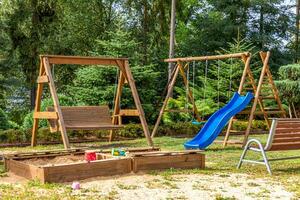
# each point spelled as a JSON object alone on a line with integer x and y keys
{"x": 178, "y": 111}
{"x": 45, "y": 115}
{"x": 266, "y": 97}
{"x": 43, "y": 79}
{"x": 245, "y": 112}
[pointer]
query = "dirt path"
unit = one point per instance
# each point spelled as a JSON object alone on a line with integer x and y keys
{"x": 197, "y": 186}
{"x": 152, "y": 187}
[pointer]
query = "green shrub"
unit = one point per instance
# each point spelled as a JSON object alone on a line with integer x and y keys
{"x": 13, "y": 125}
{"x": 12, "y": 136}
{"x": 4, "y": 124}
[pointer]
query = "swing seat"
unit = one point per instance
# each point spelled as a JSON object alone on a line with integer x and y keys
{"x": 84, "y": 118}
{"x": 195, "y": 122}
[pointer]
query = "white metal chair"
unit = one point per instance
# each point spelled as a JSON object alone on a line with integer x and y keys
{"x": 284, "y": 135}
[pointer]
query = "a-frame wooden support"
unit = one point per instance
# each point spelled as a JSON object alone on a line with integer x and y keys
{"x": 45, "y": 77}
{"x": 264, "y": 91}
{"x": 180, "y": 67}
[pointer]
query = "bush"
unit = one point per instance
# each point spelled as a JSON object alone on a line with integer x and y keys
{"x": 4, "y": 124}
{"x": 12, "y": 136}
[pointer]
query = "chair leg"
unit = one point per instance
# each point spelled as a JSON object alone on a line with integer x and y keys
{"x": 260, "y": 149}
{"x": 246, "y": 148}
{"x": 266, "y": 161}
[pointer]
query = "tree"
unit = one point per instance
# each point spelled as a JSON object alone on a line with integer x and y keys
{"x": 289, "y": 86}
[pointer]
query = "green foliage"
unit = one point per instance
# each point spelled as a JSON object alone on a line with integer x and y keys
{"x": 289, "y": 83}
{"x": 4, "y": 123}
{"x": 291, "y": 72}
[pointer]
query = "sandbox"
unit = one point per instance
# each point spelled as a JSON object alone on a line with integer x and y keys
{"x": 70, "y": 165}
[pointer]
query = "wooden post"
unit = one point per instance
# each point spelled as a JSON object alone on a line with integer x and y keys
{"x": 263, "y": 56}
{"x": 137, "y": 102}
{"x": 257, "y": 93}
{"x": 115, "y": 118}
{"x": 56, "y": 106}
{"x": 244, "y": 75}
{"x": 170, "y": 88}
{"x": 37, "y": 106}
{"x": 190, "y": 94}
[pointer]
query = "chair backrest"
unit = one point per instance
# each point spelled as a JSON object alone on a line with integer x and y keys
{"x": 83, "y": 116}
{"x": 284, "y": 135}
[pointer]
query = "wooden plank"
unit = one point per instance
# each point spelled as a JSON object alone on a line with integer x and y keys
{"x": 82, "y": 60}
{"x": 187, "y": 161}
{"x": 213, "y": 57}
{"x": 45, "y": 115}
{"x": 43, "y": 79}
{"x": 287, "y": 130}
{"x": 178, "y": 111}
{"x": 284, "y": 135}
{"x": 161, "y": 153}
{"x": 286, "y": 139}
{"x": 129, "y": 112}
{"x": 25, "y": 170}
{"x": 79, "y": 171}
{"x": 285, "y": 146}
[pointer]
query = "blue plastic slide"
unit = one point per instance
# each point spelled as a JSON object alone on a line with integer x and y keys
{"x": 214, "y": 125}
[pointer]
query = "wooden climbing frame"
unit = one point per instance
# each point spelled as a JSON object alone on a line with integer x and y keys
{"x": 181, "y": 67}
{"x": 60, "y": 114}
{"x": 264, "y": 91}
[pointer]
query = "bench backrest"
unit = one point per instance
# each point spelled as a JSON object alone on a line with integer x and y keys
{"x": 284, "y": 135}
{"x": 83, "y": 116}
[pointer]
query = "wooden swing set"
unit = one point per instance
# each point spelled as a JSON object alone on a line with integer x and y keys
{"x": 264, "y": 90}
{"x": 63, "y": 118}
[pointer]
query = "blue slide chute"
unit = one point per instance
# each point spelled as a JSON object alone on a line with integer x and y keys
{"x": 215, "y": 124}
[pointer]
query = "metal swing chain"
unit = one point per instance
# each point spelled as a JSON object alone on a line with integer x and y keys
{"x": 230, "y": 78}
{"x": 218, "y": 83}
{"x": 205, "y": 80}
{"x": 193, "y": 86}
{"x": 187, "y": 86}
{"x": 115, "y": 89}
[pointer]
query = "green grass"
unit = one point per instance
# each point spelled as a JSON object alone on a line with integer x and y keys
{"x": 219, "y": 160}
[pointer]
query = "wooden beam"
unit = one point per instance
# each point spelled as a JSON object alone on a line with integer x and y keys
{"x": 42, "y": 79}
{"x": 45, "y": 115}
{"x": 56, "y": 105}
{"x": 246, "y": 60}
{"x": 214, "y": 57}
{"x": 129, "y": 112}
{"x": 117, "y": 100}
{"x": 257, "y": 94}
{"x": 163, "y": 108}
{"x": 137, "y": 102}
{"x": 81, "y": 60}
{"x": 37, "y": 107}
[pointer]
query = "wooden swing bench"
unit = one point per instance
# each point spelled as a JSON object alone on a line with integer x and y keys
{"x": 284, "y": 135}
{"x": 84, "y": 118}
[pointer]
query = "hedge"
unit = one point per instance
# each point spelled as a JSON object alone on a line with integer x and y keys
{"x": 181, "y": 129}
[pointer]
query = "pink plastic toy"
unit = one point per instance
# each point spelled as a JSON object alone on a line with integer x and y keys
{"x": 75, "y": 185}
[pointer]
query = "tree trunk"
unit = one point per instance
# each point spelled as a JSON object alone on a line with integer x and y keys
{"x": 172, "y": 39}
{"x": 297, "y": 31}
{"x": 32, "y": 60}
